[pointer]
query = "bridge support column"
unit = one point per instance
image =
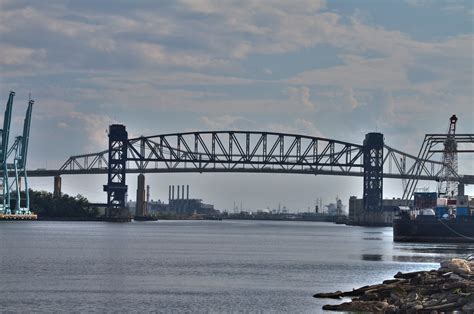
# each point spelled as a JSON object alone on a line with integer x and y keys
{"x": 116, "y": 188}
{"x": 140, "y": 205}
{"x": 57, "y": 186}
{"x": 373, "y": 172}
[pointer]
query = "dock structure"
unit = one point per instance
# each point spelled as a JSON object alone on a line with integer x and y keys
{"x": 18, "y": 216}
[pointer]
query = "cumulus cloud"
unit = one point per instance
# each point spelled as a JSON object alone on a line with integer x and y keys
{"x": 302, "y": 95}
{"x": 95, "y": 126}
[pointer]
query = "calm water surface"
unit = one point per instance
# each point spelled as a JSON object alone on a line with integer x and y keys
{"x": 196, "y": 266}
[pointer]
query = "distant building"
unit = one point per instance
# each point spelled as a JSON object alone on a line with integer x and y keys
{"x": 335, "y": 209}
{"x": 358, "y": 216}
{"x": 190, "y": 206}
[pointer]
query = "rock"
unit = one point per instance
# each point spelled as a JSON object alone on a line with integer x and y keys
{"x": 450, "y": 288}
{"x": 358, "y": 306}
{"x": 329, "y": 295}
{"x": 457, "y": 265}
{"x": 468, "y": 307}
{"x": 401, "y": 275}
{"x": 442, "y": 307}
{"x": 418, "y": 307}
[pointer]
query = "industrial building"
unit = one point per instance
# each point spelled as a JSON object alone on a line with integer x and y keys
{"x": 182, "y": 204}
{"x": 335, "y": 209}
{"x": 178, "y": 203}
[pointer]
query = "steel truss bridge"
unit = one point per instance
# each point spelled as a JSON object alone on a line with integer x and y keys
{"x": 260, "y": 152}
{"x": 251, "y": 152}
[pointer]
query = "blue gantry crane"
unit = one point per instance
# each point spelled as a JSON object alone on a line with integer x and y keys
{"x": 18, "y": 151}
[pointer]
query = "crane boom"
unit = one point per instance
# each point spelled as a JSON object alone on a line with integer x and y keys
{"x": 6, "y": 128}
{"x": 5, "y": 205}
{"x": 26, "y": 136}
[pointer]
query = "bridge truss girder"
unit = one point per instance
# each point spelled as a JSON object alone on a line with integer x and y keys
{"x": 252, "y": 152}
{"x": 229, "y": 150}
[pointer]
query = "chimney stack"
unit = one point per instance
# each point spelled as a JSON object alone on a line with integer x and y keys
{"x": 187, "y": 192}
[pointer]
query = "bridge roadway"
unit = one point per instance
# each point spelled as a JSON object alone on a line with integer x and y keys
{"x": 466, "y": 179}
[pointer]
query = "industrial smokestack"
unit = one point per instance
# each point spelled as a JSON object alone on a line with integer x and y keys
{"x": 178, "y": 191}
{"x": 182, "y": 191}
{"x": 169, "y": 193}
{"x": 187, "y": 192}
{"x": 172, "y": 196}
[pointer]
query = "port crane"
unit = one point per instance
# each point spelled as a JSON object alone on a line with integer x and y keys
{"x": 446, "y": 186}
{"x": 19, "y": 150}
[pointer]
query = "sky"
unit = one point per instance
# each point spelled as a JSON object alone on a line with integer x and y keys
{"x": 335, "y": 69}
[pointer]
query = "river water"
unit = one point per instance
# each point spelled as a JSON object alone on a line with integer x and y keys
{"x": 197, "y": 266}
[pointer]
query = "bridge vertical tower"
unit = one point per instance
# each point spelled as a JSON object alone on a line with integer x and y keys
{"x": 116, "y": 188}
{"x": 373, "y": 171}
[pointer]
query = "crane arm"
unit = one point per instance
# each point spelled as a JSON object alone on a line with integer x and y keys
{"x": 26, "y": 136}
{"x": 6, "y": 129}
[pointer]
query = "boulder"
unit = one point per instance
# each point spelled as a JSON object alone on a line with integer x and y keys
{"x": 450, "y": 288}
{"x": 457, "y": 265}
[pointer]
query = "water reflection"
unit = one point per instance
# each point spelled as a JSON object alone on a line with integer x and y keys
{"x": 378, "y": 239}
{"x": 455, "y": 249}
{"x": 372, "y": 257}
{"x": 429, "y": 252}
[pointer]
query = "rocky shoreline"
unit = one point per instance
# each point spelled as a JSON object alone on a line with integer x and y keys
{"x": 449, "y": 288}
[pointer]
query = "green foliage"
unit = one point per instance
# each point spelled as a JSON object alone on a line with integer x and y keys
{"x": 45, "y": 205}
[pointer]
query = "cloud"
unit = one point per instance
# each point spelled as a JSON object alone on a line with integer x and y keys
{"x": 225, "y": 62}
{"x": 11, "y": 55}
{"x": 225, "y": 122}
{"x": 302, "y": 95}
{"x": 95, "y": 126}
{"x": 349, "y": 92}
{"x": 297, "y": 126}
{"x": 63, "y": 125}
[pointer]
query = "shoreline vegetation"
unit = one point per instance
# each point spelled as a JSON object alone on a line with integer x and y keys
{"x": 65, "y": 207}
{"x": 449, "y": 288}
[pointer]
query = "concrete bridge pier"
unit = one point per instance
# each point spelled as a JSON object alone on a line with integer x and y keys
{"x": 140, "y": 209}
{"x": 57, "y": 186}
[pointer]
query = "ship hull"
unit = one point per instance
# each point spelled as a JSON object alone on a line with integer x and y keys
{"x": 431, "y": 229}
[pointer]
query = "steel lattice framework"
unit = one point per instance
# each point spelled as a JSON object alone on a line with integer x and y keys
{"x": 258, "y": 152}
{"x": 229, "y": 151}
{"x": 433, "y": 144}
